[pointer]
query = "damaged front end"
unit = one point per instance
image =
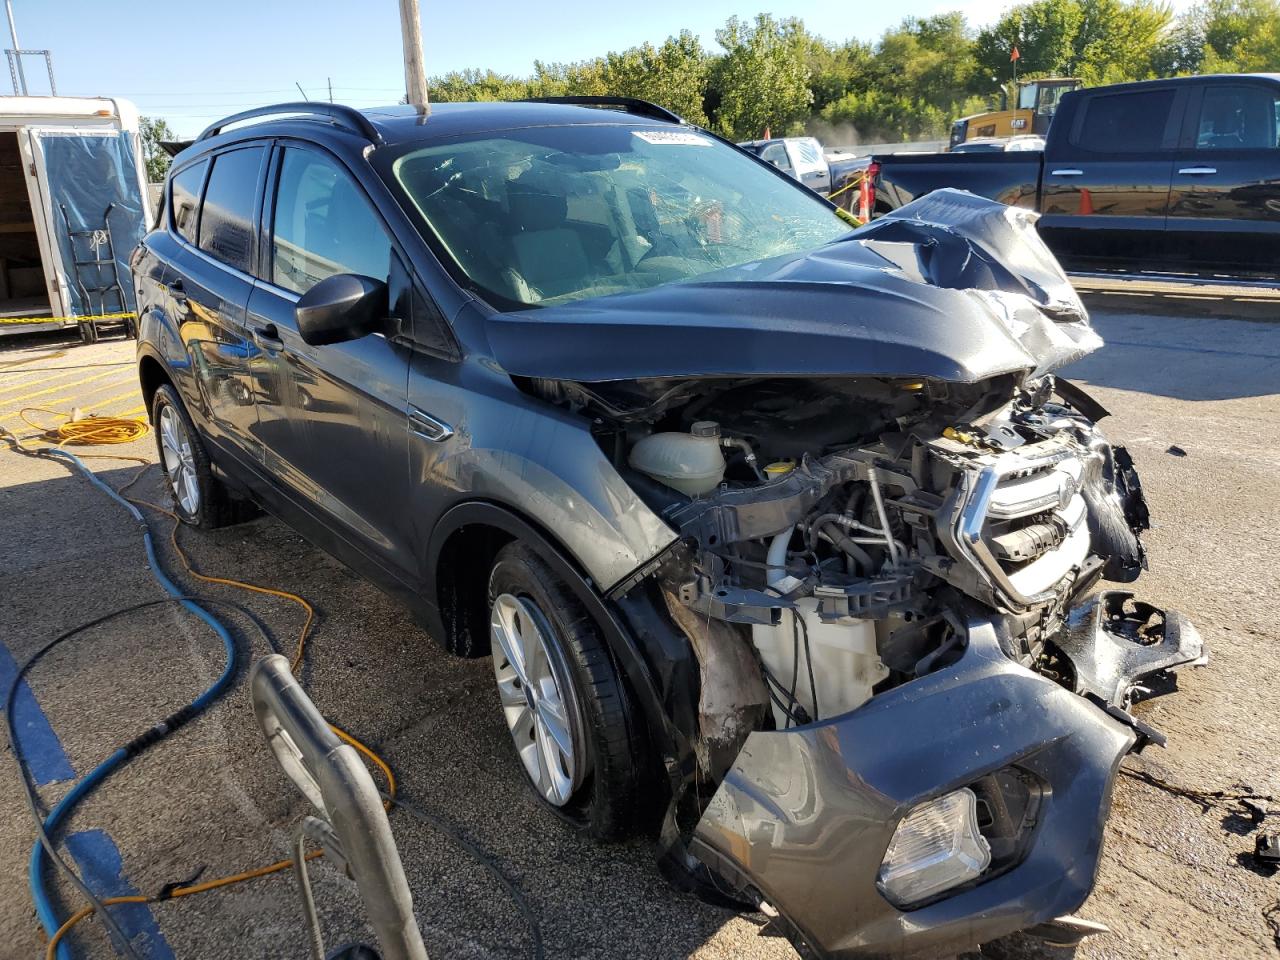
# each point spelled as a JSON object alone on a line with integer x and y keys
{"x": 910, "y": 703}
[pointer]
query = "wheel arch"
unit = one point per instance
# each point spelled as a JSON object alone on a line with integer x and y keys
{"x": 465, "y": 540}
{"x": 151, "y": 375}
{"x": 471, "y": 530}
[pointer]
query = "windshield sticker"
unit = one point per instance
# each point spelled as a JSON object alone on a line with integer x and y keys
{"x": 668, "y": 137}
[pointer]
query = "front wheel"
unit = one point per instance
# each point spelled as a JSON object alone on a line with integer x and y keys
{"x": 571, "y": 719}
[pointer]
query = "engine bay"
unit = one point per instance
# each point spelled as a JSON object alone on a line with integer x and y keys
{"x": 841, "y": 530}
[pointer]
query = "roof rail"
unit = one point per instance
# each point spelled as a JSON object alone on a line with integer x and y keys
{"x": 641, "y": 108}
{"x": 340, "y": 115}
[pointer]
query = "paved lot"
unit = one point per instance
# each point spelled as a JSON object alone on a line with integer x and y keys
{"x": 1197, "y": 400}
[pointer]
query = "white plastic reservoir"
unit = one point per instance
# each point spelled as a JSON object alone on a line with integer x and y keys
{"x": 846, "y": 664}
{"x": 689, "y": 462}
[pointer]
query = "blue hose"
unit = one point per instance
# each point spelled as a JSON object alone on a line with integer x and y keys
{"x": 63, "y": 809}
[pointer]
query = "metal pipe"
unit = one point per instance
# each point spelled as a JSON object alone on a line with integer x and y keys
{"x": 884, "y": 516}
{"x": 17, "y": 49}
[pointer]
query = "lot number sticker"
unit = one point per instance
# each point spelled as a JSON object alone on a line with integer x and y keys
{"x": 672, "y": 137}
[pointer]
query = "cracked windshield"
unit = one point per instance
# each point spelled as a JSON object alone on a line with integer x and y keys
{"x": 553, "y": 214}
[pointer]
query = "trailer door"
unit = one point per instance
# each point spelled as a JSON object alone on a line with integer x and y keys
{"x": 87, "y": 200}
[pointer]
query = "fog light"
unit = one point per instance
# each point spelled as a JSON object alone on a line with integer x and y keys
{"x": 937, "y": 846}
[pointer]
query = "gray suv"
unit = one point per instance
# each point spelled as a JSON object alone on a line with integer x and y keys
{"x": 783, "y": 537}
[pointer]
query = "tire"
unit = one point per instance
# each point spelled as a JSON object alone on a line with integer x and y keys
{"x": 199, "y": 498}
{"x": 606, "y": 799}
{"x": 88, "y": 332}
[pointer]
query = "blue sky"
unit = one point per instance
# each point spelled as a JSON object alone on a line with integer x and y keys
{"x": 193, "y": 62}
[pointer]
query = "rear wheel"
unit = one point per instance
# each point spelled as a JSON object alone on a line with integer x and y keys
{"x": 199, "y": 497}
{"x": 569, "y": 714}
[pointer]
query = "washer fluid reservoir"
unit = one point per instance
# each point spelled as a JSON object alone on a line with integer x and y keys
{"x": 689, "y": 462}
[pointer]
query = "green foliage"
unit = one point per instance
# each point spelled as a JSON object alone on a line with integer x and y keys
{"x": 771, "y": 74}
{"x": 152, "y": 130}
{"x": 762, "y": 80}
{"x": 1234, "y": 36}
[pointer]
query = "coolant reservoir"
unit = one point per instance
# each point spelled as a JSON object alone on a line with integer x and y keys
{"x": 689, "y": 462}
{"x": 846, "y": 662}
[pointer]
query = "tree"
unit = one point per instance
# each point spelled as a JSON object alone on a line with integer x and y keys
{"x": 152, "y": 130}
{"x": 1099, "y": 41}
{"x": 1042, "y": 31}
{"x": 762, "y": 81}
{"x": 1235, "y": 35}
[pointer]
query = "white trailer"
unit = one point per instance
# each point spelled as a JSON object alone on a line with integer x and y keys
{"x": 73, "y": 204}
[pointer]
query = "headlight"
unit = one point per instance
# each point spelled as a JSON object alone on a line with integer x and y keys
{"x": 936, "y": 846}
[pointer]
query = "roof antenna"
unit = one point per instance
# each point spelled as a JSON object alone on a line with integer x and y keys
{"x": 415, "y": 73}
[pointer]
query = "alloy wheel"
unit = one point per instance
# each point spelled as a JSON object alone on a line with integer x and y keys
{"x": 179, "y": 460}
{"x": 538, "y": 700}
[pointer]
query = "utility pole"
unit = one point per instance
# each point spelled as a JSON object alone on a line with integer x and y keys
{"x": 415, "y": 73}
{"x": 17, "y": 48}
{"x": 330, "y": 79}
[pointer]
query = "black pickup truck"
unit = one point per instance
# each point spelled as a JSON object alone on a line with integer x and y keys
{"x": 1179, "y": 175}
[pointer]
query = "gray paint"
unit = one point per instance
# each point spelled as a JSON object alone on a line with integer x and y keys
{"x": 953, "y": 287}
{"x": 808, "y": 813}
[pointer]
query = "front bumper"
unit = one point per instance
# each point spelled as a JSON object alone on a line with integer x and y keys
{"x": 805, "y": 815}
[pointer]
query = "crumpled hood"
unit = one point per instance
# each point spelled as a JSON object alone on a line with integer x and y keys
{"x": 952, "y": 286}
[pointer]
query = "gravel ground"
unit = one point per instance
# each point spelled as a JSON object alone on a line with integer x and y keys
{"x": 1194, "y": 398}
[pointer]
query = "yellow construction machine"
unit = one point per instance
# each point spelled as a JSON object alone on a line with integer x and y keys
{"x": 1037, "y": 103}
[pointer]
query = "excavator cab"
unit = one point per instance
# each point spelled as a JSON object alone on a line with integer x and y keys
{"x": 1037, "y": 103}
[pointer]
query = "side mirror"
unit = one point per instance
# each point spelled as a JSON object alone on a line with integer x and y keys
{"x": 343, "y": 307}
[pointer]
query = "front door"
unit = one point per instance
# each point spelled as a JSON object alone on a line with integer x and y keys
{"x": 1105, "y": 188}
{"x": 214, "y": 209}
{"x": 332, "y": 419}
{"x": 1224, "y": 209}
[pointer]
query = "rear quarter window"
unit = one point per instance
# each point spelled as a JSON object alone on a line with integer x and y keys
{"x": 1134, "y": 122}
{"x": 226, "y": 220}
{"x": 184, "y": 187}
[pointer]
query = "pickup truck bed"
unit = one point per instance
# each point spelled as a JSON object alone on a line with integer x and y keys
{"x": 1166, "y": 175}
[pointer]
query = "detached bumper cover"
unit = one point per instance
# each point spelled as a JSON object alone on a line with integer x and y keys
{"x": 805, "y": 815}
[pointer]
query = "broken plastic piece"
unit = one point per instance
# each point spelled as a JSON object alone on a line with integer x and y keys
{"x": 1267, "y": 849}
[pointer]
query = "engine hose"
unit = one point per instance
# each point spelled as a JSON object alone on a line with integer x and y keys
{"x": 833, "y": 534}
{"x": 63, "y": 809}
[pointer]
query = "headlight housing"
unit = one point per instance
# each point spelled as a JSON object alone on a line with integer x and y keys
{"x": 936, "y": 846}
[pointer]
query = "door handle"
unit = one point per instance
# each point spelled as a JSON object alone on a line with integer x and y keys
{"x": 268, "y": 337}
{"x": 1066, "y": 172}
{"x": 1196, "y": 171}
{"x": 428, "y": 427}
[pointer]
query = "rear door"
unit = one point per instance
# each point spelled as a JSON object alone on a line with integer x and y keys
{"x": 1105, "y": 187}
{"x": 332, "y": 419}
{"x": 1224, "y": 210}
{"x": 810, "y": 165}
{"x": 214, "y": 207}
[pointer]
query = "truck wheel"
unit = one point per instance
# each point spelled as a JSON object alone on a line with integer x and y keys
{"x": 568, "y": 711}
{"x": 199, "y": 497}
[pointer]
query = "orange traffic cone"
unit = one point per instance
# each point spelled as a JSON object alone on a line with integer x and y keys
{"x": 1086, "y": 202}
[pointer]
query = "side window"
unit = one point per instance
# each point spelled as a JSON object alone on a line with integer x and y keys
{"x": 1124, "y": 122}
{"x": 323, "y": 225}
{"x": 226, "y": 223}
{"x": 185, "y": 188}
{"x": 776, "y": 153}
{"x": 808, "y": 152}
{"x": 1237, "y": 118}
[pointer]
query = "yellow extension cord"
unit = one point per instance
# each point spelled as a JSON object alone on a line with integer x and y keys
{"x": 111, "y": 430}
{"x": 85, "y": 431}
